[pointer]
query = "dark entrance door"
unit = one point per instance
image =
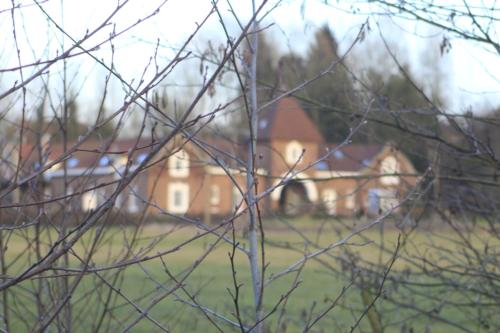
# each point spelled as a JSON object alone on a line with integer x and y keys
{"x": 293, "y": 200}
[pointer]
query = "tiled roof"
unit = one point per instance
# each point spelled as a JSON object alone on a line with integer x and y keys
{"x": 351, "y": 157}
{"x": 226, "y": 149}
{"x": 89, "y": 154}
{"x": 287, "y": 120}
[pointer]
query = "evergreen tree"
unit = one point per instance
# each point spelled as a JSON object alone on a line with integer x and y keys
{"x": 330, "y": 97}
{"x": 335, "y": 91}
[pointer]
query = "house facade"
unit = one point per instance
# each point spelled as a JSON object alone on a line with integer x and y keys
{"x": 300, "y": 172}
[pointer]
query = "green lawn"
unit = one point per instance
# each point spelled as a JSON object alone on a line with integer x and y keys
{"x": 319, "y": 283}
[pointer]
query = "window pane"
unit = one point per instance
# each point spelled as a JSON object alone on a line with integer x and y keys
{"x": 177, "y": 198}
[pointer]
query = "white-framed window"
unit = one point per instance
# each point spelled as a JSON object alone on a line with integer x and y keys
{"x": 214, "y": 194}
{"x": 329, "y": 197}
{"x": 73, "y": 203}
{"x": 389, "y": 166}
{"x": 47, "y": 192}
{"x": 293, "y": 152}
{"x": 178, "y": 164}
{"x": 89, "y": 200}
{"x": 349, "y": 200}
{"x": 388, "y": 200}
{"x": 238, "y": 201}
{"x": 178, "y": 198}
{"x": 133, "y": 200}
{"x": 92, "y": 198}
{"x": 119, "y": 200}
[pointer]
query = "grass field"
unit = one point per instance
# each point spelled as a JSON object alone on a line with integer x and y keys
{"x": 138, "y": 286}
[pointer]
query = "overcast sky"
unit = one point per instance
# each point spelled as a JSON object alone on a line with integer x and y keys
{"x": 472, "y": 76}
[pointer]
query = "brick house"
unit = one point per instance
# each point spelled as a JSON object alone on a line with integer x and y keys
{"x": 340, "y": 179}
{"x": 84, "y": 178}
{"x": 206, "y": 177}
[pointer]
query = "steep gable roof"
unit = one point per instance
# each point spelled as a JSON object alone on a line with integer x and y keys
{"x": 286, "y": 120}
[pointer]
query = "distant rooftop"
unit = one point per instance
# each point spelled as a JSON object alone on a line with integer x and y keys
{"x": 351, "y": 157}
{"x": 287, "y": 120}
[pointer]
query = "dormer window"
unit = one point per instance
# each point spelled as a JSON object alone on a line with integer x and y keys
{"x": 389, "y": 166}
{"x": 321, "y": 165}
{"x": 104, "y": 161}
{"x": 141, "y": 157}
{"x": 263, "y": 123}
{"x": 178, "y": 164}
{"x": 72, "y": 162}
{"x": 338, "y": 154}
{"x": 294, "y": 152}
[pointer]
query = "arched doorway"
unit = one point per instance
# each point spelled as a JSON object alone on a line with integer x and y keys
{"x": 293, "y": 199}
{"x": 297, "y": 196}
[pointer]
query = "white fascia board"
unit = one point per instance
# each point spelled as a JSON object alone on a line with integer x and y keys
{"x": 77, "y": 172}
{"x": 220, "y": 171}
{"x": 324, "y": 174}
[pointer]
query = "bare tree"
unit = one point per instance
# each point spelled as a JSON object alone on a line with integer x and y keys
{"x": 125, "y": 216}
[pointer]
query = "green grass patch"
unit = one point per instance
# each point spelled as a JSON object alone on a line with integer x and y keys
{"x": 150, "y": 291}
